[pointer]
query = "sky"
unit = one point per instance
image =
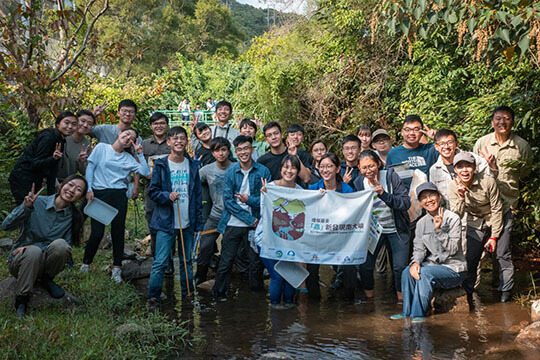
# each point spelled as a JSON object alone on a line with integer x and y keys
{"x": 297, "y": 6}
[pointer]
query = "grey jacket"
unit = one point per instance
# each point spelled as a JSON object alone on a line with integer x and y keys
{"x": 441, "y": 247}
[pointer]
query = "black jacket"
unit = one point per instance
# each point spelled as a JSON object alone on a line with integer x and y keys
{"x": 37, "y": 162}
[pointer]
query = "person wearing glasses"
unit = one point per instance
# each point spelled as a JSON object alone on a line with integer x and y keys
{"x": 382, "y": 144}
{"x": 413, "y": 152}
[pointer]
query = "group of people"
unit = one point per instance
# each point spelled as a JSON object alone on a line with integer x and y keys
{"x": 186, "y": 111}
{"x": 192, "y": 199}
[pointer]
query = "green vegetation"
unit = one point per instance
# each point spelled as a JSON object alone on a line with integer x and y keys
{"x": 89, "y": 331}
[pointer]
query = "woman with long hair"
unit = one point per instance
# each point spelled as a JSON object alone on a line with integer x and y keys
{"x": 50, "y": 225}
{"x": 109, "y": 167}
{"x": 317, "y": 149}
{"x": 40, "y": 158}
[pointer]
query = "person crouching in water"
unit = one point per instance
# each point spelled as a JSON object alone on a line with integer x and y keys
{"x": 437, "y": 261}
{"x": 176, "y": 189}
{"x": 50, "y": 225}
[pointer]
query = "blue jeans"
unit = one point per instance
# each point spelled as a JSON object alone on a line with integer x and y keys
{"x": 400, "y": 258}
{"x": 164, "y": 243}
{"x": 417, "y": 294}
{"x": 278, "y": 285}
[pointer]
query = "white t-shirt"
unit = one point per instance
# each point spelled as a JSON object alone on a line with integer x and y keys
{"x": 244, "y": 189}
{"x": 180, "y": 184}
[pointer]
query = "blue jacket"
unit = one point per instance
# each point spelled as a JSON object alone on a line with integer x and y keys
{"x": 344, "y": 188}
{"x": 233, "y": 181}
{"x": 397, "y": 199}
{"x": 160, "y": 189}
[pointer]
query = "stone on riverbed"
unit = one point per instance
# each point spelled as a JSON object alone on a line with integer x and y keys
{"x": 207, "y": 285}
{"x": 452, "y": 300}
{"x": 276, "y": 356}
{"x": 535, "y": 311}
{"x": 40, "y": 297}
{"x": 530, "y": 336}
{"x": 137, "y": 269}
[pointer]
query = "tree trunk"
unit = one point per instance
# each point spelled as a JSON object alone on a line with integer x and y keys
{"x": 32, "y": 113}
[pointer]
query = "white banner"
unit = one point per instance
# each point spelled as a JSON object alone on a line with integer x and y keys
{"x": 310, "y": 227}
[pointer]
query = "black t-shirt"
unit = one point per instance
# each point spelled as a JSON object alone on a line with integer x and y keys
{"x": 204, "y": 156}
{"x": 273, "y": 163}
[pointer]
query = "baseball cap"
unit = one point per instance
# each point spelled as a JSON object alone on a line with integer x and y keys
{"x": 379, "y": 132}
{"x": 424, "y": 187}
{"x": 464, "y": 156}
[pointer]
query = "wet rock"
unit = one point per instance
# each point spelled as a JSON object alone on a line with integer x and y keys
{"x": 137, "y": 269}
{"x": 517, "y": 328}
{"x": 207, "y": 285}
{"x": 276, "y": 356}
{"x": 535, "y": 311}
{"x": 40, "y": 297}
{"x": 6, "y": 244}
{"x": 131, "y": 331}
{"x": 530, "y": 336}
{"x": 452, "y": 300}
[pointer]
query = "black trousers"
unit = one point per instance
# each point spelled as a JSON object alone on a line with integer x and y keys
{"x": 117, "y": 199}
{"x": 233, "y": 238}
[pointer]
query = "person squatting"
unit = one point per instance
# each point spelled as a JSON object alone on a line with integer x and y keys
{"x": 215, "y": 191}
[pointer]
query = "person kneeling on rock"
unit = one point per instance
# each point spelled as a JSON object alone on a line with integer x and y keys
{"x": 50, "y": 224}
{"x": 437, "y": 261}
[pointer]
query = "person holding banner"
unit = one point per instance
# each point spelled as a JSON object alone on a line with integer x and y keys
{"x": 329, "y": 167}
{"x": 176, "y": 189}
{"x": 390, "y": 204}
{"x": 437, "y": 261}
{"x": 279, "y": 287}
{"x": 241, "y": 200}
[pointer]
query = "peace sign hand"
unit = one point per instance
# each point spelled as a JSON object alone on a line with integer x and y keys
{"x": 378, "y": 187}
{"x": 430, "y": 133}
{"x": 264, "y": 183}
{"x": 490, "y": 158}
{"x": 98, "y": 110}
{"x": 57, "y": 155}
{"x": 291, "y": 147}
{"x": 461, "y": 189}
{"x": 31, "y": 197}
{"x": 347, "y": 177}
{"x": 437, "y": 220}
{"x": 137, "y": 146}
{"x": 83, "y": 155}
{"x": 258, "y": 122}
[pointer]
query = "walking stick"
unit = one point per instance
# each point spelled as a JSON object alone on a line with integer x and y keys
{"x": 183, "y": 249}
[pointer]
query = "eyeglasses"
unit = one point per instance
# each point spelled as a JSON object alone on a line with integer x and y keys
{"x": 127, "y": 112}
{"x": 178, "y": 138}
{"x": 350, "y": 148}
{"x": 428, "y": 195}
{"x": 159, "y": 123}
{"x": 381, "y": 140}
{"x": 369, "y": 167}
{"x": 446, "y": 143}
{"x": 408, "y": 130}
{"x": 272, "y": 134}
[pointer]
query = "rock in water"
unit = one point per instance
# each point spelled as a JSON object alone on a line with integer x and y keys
{"x": 40, "y": 296}
{"x": 207, "y": 285}
{"x": 452, "y": 300}
{"x": 535, "y": 311}
{"x": 530, "y": 336}
{"x": 276, "y": 356}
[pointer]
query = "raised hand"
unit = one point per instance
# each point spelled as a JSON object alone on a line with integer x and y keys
{"x": 193, "y": 123}
{"x": 291, "y": 148}
{"x": 98, "y": 110}
{"x": 347, "y": 177}
{"x": 57, "y": 155}
{"x": 238, "y": 118}
{"x": 137, "y": 146}
{"x": 242, "y": 197}
{"x": 437, "y": 220}
{"x": 461, "y": 188}
{"x": 378, "y": 187}
{"x": 490, "y": 158}
{"x": 430, "y": 133}
{"x": 31, "y": 197}
{"x": 83, "y": 155}
{"x": 258, "y": 122}
{"x": 264, "y": 183}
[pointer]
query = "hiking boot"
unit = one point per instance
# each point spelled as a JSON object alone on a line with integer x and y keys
{"x": 153, "y": 304}
{"x": 21, "y": 305}
{"x": 52, "y": 288}
{"x": 116, "y": 275}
